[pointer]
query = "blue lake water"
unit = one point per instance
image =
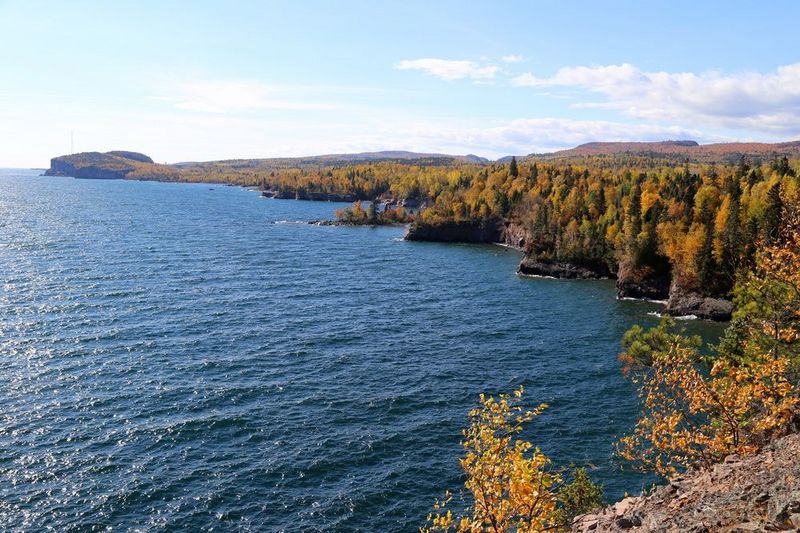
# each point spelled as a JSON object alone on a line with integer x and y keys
{"x": 193, "y": 357}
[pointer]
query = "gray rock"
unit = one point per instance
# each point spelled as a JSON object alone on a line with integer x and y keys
{"x": 754, "y": 493}
{"x": 683, "y": 303}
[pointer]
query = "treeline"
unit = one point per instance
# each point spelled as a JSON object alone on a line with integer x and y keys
{"x": 696, "y": 407}
{"x": 700, "y": 221}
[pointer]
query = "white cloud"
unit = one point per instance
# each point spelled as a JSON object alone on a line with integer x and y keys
{"x": 447, "y": 69}
{"x": 523, "y": 136}
{"x": 754, "y": 101}
{"x": 224, "y": 96}
{"x": 512, "y": 58}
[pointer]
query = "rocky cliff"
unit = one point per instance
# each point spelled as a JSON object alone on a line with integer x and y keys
{"x": 96, "y": 165}
{"x": 529, "y": 266}
{"x": 683, "y": 303}
{"x": 477, "y": 231}
{"x": 644, "y": 283}
{"x": 754, "y": 493}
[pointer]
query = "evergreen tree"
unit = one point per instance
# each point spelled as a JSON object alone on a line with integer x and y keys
{"x": 512, "y": 169}
{"x": 706, "y": 264}
{"x": 782, "y": 167}
{"x": 635, "y": 210}
{"x": 372, "y": 212}
{"x": 773, "y": 215}
{"x": 731, "y": 241}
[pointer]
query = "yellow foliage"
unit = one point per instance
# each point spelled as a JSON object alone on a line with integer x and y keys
{"x": 696, "y": 411}
{"x": 692, "y": 419}
{"x": 506, "y": 476}
{"x": 649, "y": 198}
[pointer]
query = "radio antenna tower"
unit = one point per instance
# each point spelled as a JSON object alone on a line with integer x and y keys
{"x": 72, "y": 142}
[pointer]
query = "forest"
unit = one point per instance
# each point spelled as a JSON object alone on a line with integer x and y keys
{"x": 697, "y": 223}
{"x": 698, "y": 408}
{"x": 702, "y": 222}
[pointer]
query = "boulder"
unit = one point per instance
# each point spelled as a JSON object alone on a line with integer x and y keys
{"x": 684, "y": 303}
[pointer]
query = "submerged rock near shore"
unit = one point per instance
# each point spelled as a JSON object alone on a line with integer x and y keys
{"x": 755, "y": 493}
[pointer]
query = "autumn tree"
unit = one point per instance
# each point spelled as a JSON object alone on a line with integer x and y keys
{"x": 697, "y": 408}
{"x": 508, "y": 478}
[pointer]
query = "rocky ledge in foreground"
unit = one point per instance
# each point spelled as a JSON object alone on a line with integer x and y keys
{"x": 754, "y": 493}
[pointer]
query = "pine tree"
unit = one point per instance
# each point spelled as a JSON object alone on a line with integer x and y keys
{"x": 706, "y": 265}
{"x": 512, "y": 169}
{"x": 782, "y": 167}
{"x": 635, "y": 211}
{"x": 773, "y": 215}
{"x": 731, "y": 239}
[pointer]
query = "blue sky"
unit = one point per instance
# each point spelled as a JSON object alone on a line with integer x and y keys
{"x": 210, "y": 80}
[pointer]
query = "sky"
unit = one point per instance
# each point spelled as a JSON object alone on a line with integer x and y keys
{"x": 188, "y": 81}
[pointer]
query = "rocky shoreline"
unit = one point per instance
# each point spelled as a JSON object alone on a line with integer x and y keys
{"x": 753, "y": 493}
{"x": 642, "y": 284}
{"x": 309, "y": 195}
{"x": 531, "y": 267}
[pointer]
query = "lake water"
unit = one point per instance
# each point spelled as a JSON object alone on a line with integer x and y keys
{"x": 194, "y": 357}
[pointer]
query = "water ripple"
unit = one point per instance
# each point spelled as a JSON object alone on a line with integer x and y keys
{"x": 174, "y": 358}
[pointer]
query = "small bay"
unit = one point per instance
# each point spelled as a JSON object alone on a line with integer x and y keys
{"x": 192, "y": 356}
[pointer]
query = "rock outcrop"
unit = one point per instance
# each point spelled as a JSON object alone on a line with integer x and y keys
{"x": 643, "y": 283}
{"x": 489, "y": 231}
{"x": 683, "y": 303}
{"x": 514, "y": 235}
{"x": 484, "y": 230}
{"x": 753, "y": 493}
{"x": 96, "y": 165}
{"x": 531, "y": 267}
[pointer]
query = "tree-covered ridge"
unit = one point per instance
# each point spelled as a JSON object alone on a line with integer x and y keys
{"x": 697, "y": 408}
{"x": 698, "y": 223}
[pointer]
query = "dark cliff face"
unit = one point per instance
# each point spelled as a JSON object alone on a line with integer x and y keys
{"x": 643, "y": 283}
{"x": 481, "y": 231}
{"x": 557, "y": 269}
{"x": 60, "y": 167}
{"x": 489, "y": 231}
